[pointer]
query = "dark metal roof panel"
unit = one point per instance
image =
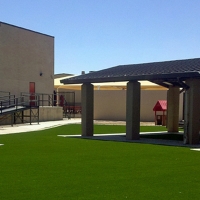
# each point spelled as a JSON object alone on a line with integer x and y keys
{"x": 145, "y": 71}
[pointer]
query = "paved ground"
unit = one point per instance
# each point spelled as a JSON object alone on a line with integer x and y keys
{"x": 18, "y": 128}
{"x": 121, "y": 123}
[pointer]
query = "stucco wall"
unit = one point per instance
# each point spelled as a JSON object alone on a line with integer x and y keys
{"x": 51, "y": 113}
{"x": 111, "y": 105}
{"x": 24, "y": 54}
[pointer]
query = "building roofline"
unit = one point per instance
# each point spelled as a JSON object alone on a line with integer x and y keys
{"x": 172, "y": 72}
{"x": 25, "y": 29}
{"x": 131, "y": 78}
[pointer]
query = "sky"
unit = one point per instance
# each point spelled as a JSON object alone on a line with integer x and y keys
{"x": 92, "y": 35}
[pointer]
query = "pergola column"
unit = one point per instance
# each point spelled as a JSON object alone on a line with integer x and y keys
{"x": 192, "y": 112}
{"x": 173, "y": 109}
{"x": 133, "y": 111}
{"x": 87, "y": 103}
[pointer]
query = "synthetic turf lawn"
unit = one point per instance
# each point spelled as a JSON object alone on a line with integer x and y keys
{"x": 40, "y": 165}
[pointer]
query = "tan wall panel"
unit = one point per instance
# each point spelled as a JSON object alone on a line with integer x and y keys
{"x": 111, "y": 105}
{"x": 51, "y": 113}
{"x": 24, "y": 55}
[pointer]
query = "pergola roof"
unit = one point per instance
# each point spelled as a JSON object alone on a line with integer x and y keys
{"x": 163, "y": 73}
{"x": 145, "y": 85}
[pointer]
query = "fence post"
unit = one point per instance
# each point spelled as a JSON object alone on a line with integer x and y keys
{"x": 39, "y": 100}
{"x": 42, "y": 99}
{"x": 16, "y": 103}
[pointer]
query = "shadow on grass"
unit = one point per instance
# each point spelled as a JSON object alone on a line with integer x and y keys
{"x": 163, "y": 136}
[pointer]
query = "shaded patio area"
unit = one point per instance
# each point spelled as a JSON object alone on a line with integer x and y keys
{"x": 154, "y": 138}
{"x": 177, "y": 76}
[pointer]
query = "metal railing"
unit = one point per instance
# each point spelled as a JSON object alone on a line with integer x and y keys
{"x": 8, "y": 99}
{"x": 12, "y": 103}
{"x": 43, "y": 99}
{"x": 3, "y": 93}
{"x": 66, "y": 100}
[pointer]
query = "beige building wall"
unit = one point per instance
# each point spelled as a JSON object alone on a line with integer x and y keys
{"x": 25, "y": 56}
{"x": 111, "y": 105}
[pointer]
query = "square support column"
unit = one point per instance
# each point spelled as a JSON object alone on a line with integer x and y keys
{"x": 87, "y": 103}
{"x": 173, "y": 109}
{"x": 192, "y": 112}
{"x": 133, "y": 111}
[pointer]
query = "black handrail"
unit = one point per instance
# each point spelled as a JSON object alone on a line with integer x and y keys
{"x": 7, "y": 101}
{"x": 8, "y": 97}
{"x": 3, "y": 93}
{"x": 16, "y": 103}
{"x": 44, "y": 99}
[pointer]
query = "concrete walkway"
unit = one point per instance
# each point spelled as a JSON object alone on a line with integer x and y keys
{"x": 19, "y": 128}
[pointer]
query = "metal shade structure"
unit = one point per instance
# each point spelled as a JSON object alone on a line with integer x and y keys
{"x": 145, "y": 85}
{"x": 165, "y": 73}
{"x": 173, "y": 75}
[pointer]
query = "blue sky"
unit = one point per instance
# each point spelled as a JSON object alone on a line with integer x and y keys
{"x": 91, "y": 35}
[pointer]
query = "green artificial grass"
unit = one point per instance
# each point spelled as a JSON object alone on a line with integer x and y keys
{"x": 98, "y": 129}
{"x": 40, "y": 165}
